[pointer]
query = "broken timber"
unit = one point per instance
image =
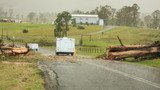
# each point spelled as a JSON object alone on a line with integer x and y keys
{"x": 136, "y": 51}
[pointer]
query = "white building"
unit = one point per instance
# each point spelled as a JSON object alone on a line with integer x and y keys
{"x": 18, "y": 21}
{"x": 83, "y": 18}
{"x": 101, "y": 22}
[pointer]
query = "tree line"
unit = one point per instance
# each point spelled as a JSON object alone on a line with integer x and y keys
{"x": 126, "y": 16}
{"x": 32, "y": 17}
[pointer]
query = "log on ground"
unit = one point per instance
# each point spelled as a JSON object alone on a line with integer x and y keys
{"x": 133, "y": 53}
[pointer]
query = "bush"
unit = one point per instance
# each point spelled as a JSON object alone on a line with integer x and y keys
{"x": 87, "y": 23}
{"x": 80, "y": 27}
{"x": 74, "y": 22}
{"x": 1, "y": 41}
{"x": 81, "y": 42}
{"x": 25, "y": 31}
{"x": 44, "y": 42}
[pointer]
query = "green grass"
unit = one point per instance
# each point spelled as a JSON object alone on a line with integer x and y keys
{"x": 20, "y": 77}
{"x": 28, "y": 76}
{"x": 152, "y": 63}
{"x": 44, "y": 33}
{"x": 128, "y": 35}
{"x": 40, "y": 32}
{"x": 88, "y": 29}
{"x": 21, "y": 73}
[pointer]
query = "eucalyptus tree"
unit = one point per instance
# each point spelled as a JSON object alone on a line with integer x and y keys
{"x": 128, "y": 15}
{"x": 61, "y": 24}
{"x": 156, "y": 19}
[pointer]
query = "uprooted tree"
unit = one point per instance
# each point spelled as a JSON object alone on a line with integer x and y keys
{"x": 61, "y": 24}
{"x": 133, "y": 51}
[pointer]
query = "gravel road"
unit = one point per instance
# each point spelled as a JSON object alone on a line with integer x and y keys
{"x": 77, "y": 73}
{"x": 106, "y": 28}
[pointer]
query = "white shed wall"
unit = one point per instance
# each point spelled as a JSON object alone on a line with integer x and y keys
{"x": 90, "y": 19}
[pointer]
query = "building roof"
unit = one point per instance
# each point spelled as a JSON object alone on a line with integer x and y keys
{"x": 84, "y": 15}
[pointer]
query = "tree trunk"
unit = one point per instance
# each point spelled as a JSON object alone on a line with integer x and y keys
{"x": 135, "y": 51}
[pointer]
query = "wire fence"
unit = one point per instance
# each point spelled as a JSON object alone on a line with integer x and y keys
{"x": 92, "y": 49}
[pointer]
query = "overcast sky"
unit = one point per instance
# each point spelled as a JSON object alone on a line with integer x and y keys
{"x": 25, "y": 6}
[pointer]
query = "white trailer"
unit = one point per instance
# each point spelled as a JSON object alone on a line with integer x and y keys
{"x": 33, "y": 46}
{"x": 65, "y": 46}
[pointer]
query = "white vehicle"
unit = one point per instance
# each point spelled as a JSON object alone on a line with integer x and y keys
{"x": 65, "y": 46}
{"x": 33, "y": 46}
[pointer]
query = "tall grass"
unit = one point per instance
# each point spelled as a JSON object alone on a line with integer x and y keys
{"x": 20, "y": 77}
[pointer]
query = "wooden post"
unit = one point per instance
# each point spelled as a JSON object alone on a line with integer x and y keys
{"x": 120, "y": 41}
{"x": 2, "y": 34}
{"x": 90, "y": 37}
{"x": 7, "y": 34}
{"x": 81, "y": 41}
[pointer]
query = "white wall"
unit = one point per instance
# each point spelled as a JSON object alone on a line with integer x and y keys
{"x": 101, "y": 22}
{"x": 90, "y": 20}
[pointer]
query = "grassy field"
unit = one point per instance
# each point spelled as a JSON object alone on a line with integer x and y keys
{"x": 39, "y": 32}
{"x": 20, "y": 73}
{"x": 43, "y": 33}
{"x": 153, "y": 63}
{"x": 147, "y": 62}
{"x": 20, "y": 77}
{"x": 128, "y": 35}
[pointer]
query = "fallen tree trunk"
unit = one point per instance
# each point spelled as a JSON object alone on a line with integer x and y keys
{"x": 121, "y": 52}
{"x": 22, "y": 50}
{"x": 14, "y": 51}
{"x": 127, "y": 48}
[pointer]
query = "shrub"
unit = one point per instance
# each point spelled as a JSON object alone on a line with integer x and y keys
{"x": 81, "y": 42}
{"x": 80, "y": 27}
{"x": 1, "y": 41}
{"x": 74, "y": 22}
{"x": 25, "y": 31}
{"x": 81, "y": 23}
{"x": 44, "y": 42}
{"x": 87, "y": 23}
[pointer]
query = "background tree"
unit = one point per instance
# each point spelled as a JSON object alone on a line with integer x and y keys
{"x": 148, "y": 21}
{"x": 78, "y": 12}
{"x": 156, "y": 19}
{"x": 104, "y": 12}
{"x": 10, "y": 13}
{"x": 128, "y": 16}
{"x": 18, "y": 16}
{"x": 74, "y": 22}
{"x": 135, "y": 14}
{"x": 42, "y": 17}
{"x": 3, "y": 14}
{"x": 31, "y": 16}
{"x": 112, "y": 18}
{"x": 61, "y": 24}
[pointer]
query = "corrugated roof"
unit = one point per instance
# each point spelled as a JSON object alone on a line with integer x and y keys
{"x": 84, "y": 15}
